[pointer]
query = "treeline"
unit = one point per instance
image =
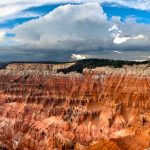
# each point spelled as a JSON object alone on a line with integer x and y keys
{"x": 81, "y": 64}
{"x": 3, "y": 65}
{"x": 93, "y": 63}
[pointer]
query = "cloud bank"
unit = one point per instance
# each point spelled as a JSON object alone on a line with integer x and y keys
{"x": 68, "y": 27}
{"x": 71, "y": 28}
{"x": 81, "y": 27}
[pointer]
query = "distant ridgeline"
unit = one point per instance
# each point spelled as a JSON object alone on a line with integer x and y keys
{"x": 3, "y": 65}
{"x": 93, "y": 63}
{"x": 78, "y": 66}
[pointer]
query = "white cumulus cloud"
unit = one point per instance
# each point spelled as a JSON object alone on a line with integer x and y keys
{"x": 119, "y": 38}
{"x": 2, "y": 35}
{"x": 68, "y": 27}
{"x": 78, "y": 56}
{"x": 118, "y": 52}
{"x": 81, "y": 27}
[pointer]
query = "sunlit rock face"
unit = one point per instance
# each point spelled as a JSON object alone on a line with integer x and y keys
{"x": 41, "y": 109}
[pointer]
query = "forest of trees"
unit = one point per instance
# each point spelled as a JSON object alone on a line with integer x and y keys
{"x": 93, "y": 63}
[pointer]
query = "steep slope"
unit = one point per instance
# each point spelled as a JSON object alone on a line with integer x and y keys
{"x": 104, "y": 107}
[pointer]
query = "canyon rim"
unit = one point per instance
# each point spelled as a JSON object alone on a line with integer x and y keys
{"x": 74, "y": 74}
{"x": 43, "y": 108}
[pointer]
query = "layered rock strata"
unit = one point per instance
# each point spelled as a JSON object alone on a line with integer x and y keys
{"x": 104, "y": 107}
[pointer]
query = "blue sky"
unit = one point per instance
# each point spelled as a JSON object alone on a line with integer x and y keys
{"x": 39, "y": 11}
{"x": 142, "y": 16}
{"x": 87, "y": 27}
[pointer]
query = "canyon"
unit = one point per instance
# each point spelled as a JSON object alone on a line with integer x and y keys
{"x": 101, "y": 108}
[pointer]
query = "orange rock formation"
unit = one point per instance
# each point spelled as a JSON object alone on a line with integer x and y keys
{"x": 103, "y": 108}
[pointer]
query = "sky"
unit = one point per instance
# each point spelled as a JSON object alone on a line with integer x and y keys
{"x": 66, "y": 30}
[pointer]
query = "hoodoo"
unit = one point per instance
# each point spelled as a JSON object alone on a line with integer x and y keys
{"x": 99, "y": 108}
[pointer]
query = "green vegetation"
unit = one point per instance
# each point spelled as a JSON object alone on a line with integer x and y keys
{"x": 93, "y": 63}
{"x": 81, "y": 64}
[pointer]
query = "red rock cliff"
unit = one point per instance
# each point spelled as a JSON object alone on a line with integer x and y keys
{"x": 101, "y": 108}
